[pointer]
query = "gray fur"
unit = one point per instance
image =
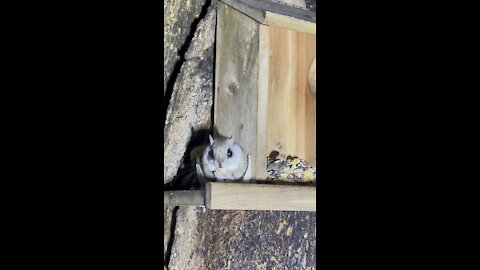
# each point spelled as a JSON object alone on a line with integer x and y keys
{"x": 215, "y": 163}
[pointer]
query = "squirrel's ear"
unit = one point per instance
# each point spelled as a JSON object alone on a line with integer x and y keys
{"x": 211, "y": 139}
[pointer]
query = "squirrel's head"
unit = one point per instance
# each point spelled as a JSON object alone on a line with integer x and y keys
{"x": 225, "y": 153}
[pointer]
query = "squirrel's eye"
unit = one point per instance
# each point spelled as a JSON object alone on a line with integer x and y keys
{"x": 210, "y": 154}
{"x": 229, "y": 153}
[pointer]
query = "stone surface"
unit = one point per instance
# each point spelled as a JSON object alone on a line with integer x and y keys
{"x": 183, "y": 255}
{"x": 258, "y": 240}
{"x": 192, "y": 98}
{"x": 178, "y": 18}
{"x": 167, "y": 217}
{"x": 247, "y": 240}
{"x": 311, "y": 4}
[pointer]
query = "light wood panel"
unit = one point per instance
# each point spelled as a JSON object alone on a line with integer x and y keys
{"x": 238, "y": 196}
{"x": 291, "y": 105}
{"x": 263, "y": 82}
{"x": 312, "y": 76}
{"x": 310, "y": 102}
{"x": 262, "y": 95}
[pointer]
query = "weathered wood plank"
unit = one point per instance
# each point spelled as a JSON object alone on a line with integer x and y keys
{"x": 253, "y": 8}
{"x": 240, "y": 196}
{"x": 279, "y": 20}
{"x": 298, "y": 3}
{"x": 256, "y": 14}
{"x": 236, "y": 78}
{"x": 184, "y": 198}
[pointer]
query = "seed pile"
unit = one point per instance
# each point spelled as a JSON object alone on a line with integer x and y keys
{"x": 290, "y": 169}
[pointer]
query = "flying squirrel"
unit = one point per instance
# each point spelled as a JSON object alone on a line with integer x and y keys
{"x": 222, "y": 160}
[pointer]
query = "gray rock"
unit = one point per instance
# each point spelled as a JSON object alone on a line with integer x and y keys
{"x": 192, "y": 98}
{"x": 258, "y": 240}
{"x": 244, "y": 240}
{"x": 178, "y": 18}
{"x": 183, "y": 254}
{"x": 167, "y": 217}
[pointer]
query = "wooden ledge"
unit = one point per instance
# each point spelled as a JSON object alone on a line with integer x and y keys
{"x": 245, "y": 196}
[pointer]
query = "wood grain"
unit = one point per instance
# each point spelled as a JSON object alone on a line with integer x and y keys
{"x": 279, "y": 8}
{"x": 279, "y": 20}
{"x": 310, "y": 104}
{"x": 263, "y": 82}
{"x": 254, "y": 13}
{"x": 298, "y": 3}
{"x": 184, "y": 198}
{"x": 262, "y": 95}
{"x": 291, "y": 106}
{"x": 257, "y": 9}
{"x": 241, "y": 196}
{"x": 312, "y": 76}
{"x": 236, "y": 78}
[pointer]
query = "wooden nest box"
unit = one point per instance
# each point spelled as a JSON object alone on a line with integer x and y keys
{"x": 265, "y": 53}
